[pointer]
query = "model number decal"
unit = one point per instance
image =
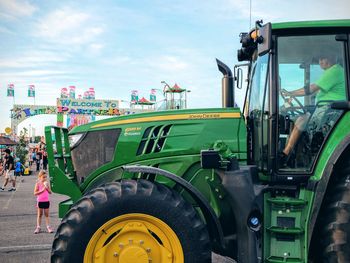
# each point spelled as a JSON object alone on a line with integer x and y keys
{"x": 132, "y": 131}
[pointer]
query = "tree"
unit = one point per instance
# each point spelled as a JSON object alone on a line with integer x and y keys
{"x": 21, "y": 148}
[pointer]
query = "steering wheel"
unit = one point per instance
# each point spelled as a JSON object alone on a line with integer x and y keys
{"x": 289, "y": 106}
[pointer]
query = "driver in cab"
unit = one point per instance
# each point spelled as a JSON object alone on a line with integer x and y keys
{"x": 330, "y": 86}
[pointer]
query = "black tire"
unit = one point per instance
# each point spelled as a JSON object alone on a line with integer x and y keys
{"x": 334, "y": 223}
{"x": 129, "y": 196}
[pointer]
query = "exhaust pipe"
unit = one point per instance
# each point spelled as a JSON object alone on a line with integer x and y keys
{"x": 228, "y": 97}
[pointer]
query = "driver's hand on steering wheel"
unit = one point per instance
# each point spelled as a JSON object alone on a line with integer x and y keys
{"x": 286, "y": 93}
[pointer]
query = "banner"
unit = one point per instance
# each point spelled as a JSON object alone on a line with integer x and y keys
{"x": 31, "y": 91}
{"x": 10, "y": 90}
{"x": 134, "y": 96}
{"x": 88, "y": 107}
{"x": 21, "y": 112}
{"x": 152, "y": 96}
{"x": 64, "y": 93}
{"x": 72, "y": 92}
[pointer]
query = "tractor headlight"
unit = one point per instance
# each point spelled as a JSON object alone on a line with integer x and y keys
{"x": 75, "y": 139}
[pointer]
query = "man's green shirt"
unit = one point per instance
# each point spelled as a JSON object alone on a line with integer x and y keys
{"x": 331, "y": 84}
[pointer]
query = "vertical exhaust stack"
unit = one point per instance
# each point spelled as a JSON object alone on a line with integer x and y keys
{"x": 228, "y": 98}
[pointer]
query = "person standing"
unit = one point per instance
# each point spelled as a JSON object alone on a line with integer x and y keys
{"x": 42, "y": 191}
{"x": 18, "y": 170}
{"x": 30, "y": 158}
{"x": 9, "y": 171}
{"x": 44, "y": 157}
{"x": 34, "y": 156}
{"x": 38, "y": 159}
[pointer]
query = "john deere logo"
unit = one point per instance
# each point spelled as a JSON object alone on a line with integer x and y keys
{"x": 205, "y": 116}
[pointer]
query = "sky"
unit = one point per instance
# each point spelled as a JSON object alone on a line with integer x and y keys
{"x": 122, "y": 45}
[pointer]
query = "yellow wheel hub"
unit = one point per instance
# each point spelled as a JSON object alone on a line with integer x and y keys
{"x": 134, "y": 238}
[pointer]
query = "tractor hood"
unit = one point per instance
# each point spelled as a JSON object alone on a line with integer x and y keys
{"x": 154, "y": 138}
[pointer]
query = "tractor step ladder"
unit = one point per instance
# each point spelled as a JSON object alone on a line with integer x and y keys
{"x": 284, "y": 229}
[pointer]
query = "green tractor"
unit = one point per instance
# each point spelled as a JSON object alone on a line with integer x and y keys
{"x": 271, "y": 184}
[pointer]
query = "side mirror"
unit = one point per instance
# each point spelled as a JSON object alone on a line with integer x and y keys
{"x": 264, "y": 39}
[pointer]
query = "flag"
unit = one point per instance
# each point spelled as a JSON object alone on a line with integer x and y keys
{"x": 134, "y": 95}
{"x": 64, "y": 93}
{"x": 86, "y": 95}
{"x": 72, "y": 92}
{"x": 31, "y": 91}
{"x": 152, "y": 96}
{"x": 10, "y": 90}
{"x": 91, "y": 93}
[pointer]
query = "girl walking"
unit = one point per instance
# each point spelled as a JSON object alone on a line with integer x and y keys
{"x": 42, "y": 190}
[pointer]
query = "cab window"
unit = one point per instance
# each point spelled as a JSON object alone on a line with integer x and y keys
{"x": 311, "y": 77}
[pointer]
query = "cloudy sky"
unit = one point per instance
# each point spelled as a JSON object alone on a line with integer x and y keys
{"x": 121, "y": 45}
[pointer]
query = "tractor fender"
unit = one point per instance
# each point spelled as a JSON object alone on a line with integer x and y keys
{"x": 214, "y": 226}
{"x": 320, "y": 187}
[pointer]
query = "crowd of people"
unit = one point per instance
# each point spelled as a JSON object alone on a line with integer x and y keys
{"x": 11, "y": 168}
{"x": 38, "y": 158}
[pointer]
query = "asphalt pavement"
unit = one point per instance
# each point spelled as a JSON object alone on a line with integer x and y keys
{"x": 18, "y": 243}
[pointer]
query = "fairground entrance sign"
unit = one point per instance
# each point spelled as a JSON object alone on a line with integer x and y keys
{"x": 78, "y": 111}
{"x": 90, "y": 107}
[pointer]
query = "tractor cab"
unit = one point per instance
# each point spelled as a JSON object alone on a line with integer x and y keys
{"x": 297, "y": 76}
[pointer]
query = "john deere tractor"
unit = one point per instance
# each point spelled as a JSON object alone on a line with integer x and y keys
{"x": 271, "y": 184}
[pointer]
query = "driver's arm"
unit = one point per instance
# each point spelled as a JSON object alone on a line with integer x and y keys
{"x": 301, "y": 92}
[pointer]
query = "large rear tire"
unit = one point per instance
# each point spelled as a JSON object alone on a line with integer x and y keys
{"x": 132, "y": 221}
{"x": 334, "y": 223}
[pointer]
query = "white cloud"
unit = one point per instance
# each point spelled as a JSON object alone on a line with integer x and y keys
{"x": 32, "y": 59}
{"x": 5, "y": 30}
{"x": 299, "y": 10}
{"x": 26, "y": 77}
{"x": 174, "y": 63}
{"x": 68, "y": 27}
{"x": 95, "y": 48}
{"x": 16, "y": 8}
